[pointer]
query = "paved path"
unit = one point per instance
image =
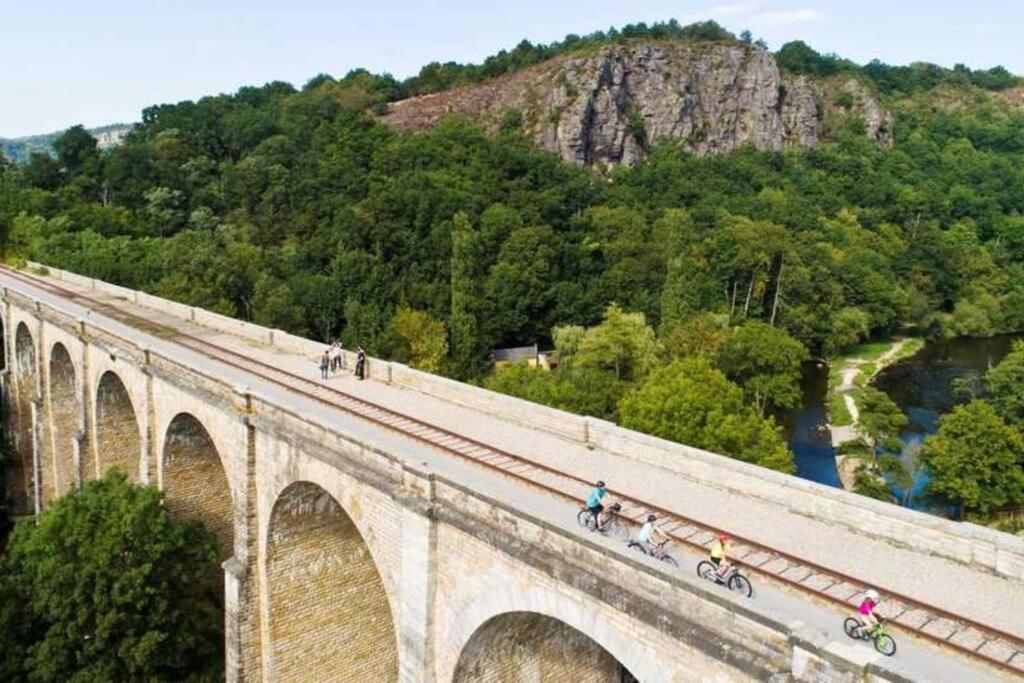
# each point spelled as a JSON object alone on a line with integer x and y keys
{"x": 934, "y": 580}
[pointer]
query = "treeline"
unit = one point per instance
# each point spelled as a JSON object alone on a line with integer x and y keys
{"x": 298, "y": 210}
{"x": 798, "y": 57}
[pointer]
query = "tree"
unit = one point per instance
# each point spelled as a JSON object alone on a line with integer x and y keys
{"x": 467, "y": 356}
{"x": 692, "y": 403}
{"x": 424, "y": 340}
{"x": 975, "y": 459}
{"x": 76, "y": 149}
{"x": 880, "y": 420}
{"x": 103, "y": 585}
{"x": 623, "y": 344}
{"x": 1006, "y": 386}
{"x": 702, "y": 335}
{"x": 766, "y": 362}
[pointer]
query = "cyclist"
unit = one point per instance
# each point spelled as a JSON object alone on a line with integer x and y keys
{"x": 594, "y": 499}
{"x": 720, "y": 554}
{"x": 866, "y": 610}
{"x": 649, "y": 535}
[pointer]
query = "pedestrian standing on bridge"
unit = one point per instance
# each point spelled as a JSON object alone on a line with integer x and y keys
{"x": 325, "y": 363}
{"x": 360, "y": 363}
{"x": 335, "y": 356}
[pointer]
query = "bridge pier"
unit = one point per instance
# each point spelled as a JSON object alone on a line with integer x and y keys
{"x": 242, "y": 631}
{"x": 418, "y": 579}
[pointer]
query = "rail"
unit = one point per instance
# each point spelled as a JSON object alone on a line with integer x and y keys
{"x": 975, "y": 639}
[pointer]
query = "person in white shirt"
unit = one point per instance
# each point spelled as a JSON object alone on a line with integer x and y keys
{"x": 651, "y": 536}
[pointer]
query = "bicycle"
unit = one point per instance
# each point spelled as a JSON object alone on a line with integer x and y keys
{"x": 733, "y": 579}
{"x": 612, "y": 526}
{"x": 658, "y": 553}
{"x": 884, "y": 643}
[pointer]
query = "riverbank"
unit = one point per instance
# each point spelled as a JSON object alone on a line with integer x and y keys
{"x": 848, "y": 374}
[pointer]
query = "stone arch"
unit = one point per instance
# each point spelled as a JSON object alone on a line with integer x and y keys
{"x": 25, "y": 371}
{"x": 330, "y": 618}
{"x": 481, "y": 622}
{"x": 531, "y": 647}
{"x": 64, "y": 411}
{"x": 194, "y": 480}
{"x": 118, "y": 438}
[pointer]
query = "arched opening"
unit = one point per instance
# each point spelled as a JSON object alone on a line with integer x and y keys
{"x": 195, "y": 484}
{"x": 118, "y": 443}
{"x": 21, "y": 490}
{"x": 527, "y": 647}
{"x": 196, "y": 488}
{"x": 64, "y": 415}
{"x": 330, "y": 619}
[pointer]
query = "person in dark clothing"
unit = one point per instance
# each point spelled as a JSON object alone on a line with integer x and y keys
{"x": 325, "y": 364}
{"x": 360, "y": 363}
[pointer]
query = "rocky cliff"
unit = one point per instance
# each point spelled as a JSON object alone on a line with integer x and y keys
{"x": 606, "y": 107}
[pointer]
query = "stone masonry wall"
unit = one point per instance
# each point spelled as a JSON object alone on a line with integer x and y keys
{"x": 62, "y": 395}
{"x": 21, "y": 475}
{"x": 523, "y": 647}
{"x": 194, "y": 482}
{"x": 118, "y": 440}
{"x": 330, "y": 617}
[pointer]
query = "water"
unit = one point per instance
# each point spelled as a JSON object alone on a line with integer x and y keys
{"x": 922, "y": 386}
{"x": 812, "y": 446}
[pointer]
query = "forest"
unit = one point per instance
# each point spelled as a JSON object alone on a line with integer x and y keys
{"x": 694, "y": 285}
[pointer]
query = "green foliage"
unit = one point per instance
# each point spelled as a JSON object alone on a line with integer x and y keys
{"x": 975, "y": 459}
{"x": 423, "y": 340}
{"x": 880, "y": 419}
{"x": 104, "y": 586}
{"x": 798, "y": 57}
{"x": 692, "y": 403}
{"x": 766, "y": 362}
{"x": 623, "y": 345}
{"x": 702, "y": 335}
{"x": 1005, "y": 386}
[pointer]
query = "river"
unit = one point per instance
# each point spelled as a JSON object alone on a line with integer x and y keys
{"x": 920, "y": 385}
{"x": 812, "y": 446}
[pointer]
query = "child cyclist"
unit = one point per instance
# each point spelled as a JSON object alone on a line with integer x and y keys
{"x": 866, "y": 611}
{"x": 720, "y": 554}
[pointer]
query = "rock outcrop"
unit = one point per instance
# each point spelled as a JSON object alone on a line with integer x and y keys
{"x": 606, "y": 108}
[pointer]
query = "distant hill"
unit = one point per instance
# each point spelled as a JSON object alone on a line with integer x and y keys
{"x": 20, "y": 149}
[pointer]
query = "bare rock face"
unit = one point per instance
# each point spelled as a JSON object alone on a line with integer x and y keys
{"x": 607, "y": 108}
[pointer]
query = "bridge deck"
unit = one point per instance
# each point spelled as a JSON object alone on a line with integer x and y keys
{"x": 934, "y": 580}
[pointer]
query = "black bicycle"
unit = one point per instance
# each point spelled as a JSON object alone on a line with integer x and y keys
{"x": 884, "y": 643}
{"x": 657, "y": 552}
{"x": 733, "y": 579}
{"x": 610, "y": 526}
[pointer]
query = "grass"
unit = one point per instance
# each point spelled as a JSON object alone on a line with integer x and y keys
{"x": 868, "y": 355}
{"x": 837, "y": 410}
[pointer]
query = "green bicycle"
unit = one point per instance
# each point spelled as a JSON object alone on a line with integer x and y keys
{"x": 884, "y": 643}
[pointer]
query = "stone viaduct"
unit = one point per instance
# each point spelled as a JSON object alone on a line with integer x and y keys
{"x": 350, "y": 554}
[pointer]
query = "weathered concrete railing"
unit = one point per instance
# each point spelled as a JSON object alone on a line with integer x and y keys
{"x": 967, "y": 543}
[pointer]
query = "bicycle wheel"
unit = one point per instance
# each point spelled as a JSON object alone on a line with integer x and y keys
{"x": 583, "y": 518}
{"x": 670, "y": 560}
{"x": 885, "y": 644}
{"x": 706, "y": 570}
{"x": 616, "y": 529}
{"x": 741, "y": 585}
{"x": 852, "y": 628}
{"x": 638, "y": 547}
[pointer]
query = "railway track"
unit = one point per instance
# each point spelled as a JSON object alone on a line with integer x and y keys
{"x": 974, "y": 639}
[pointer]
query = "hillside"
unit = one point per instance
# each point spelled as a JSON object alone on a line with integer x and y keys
{"x": 607, "y": 105}
{"x": 18, "y": 150}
